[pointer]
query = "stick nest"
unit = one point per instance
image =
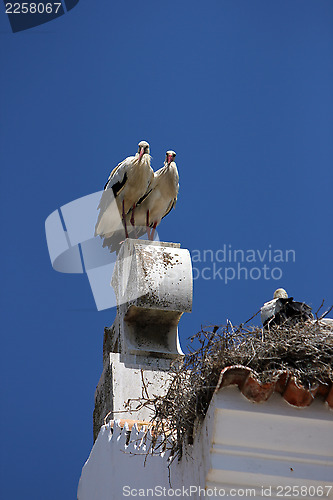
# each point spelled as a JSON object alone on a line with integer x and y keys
{"x": 304, "y": 350}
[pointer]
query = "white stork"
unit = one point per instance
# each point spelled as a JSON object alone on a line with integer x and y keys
{"x": 284, "y": 309}
{"x": 128, "y": 183}
{"x": 160, "y": 199}
{"x": 267, "y": 312}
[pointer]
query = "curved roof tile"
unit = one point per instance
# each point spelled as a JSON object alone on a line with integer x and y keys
{"x": 284, "y": 383}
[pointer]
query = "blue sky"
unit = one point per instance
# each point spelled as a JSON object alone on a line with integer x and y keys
{"x": 243, "y": 92}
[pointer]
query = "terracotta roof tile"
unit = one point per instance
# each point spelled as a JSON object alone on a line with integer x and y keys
{"x": 284, "y": 383}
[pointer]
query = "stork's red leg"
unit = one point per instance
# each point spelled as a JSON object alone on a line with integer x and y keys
{"x": 153, "y": 232}
{"x": 124, "y": 220}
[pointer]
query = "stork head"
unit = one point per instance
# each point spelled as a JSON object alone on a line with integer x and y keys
{"x": 143, "y": 149}
{"x": 170, "y": 156}
{"x": 280, "y": 293}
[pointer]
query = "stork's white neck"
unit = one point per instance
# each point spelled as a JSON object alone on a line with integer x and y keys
{"x": 145, "y": 159}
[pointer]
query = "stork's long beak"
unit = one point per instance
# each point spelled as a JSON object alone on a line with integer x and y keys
{"x": 142, "y": 150}
{"x": 169, "y": 159}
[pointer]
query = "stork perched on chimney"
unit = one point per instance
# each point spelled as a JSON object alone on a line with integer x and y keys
{"x": 161, "y": 198}
{"x": 128, "y": 183}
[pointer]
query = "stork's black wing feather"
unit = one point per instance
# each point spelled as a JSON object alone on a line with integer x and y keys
{"x": 117, "y": 187}
{"x": 172, "y": 204}
{"x": 143, "y": 197}
{"x": 288, "y": 310}
{"x": 109, "y": 194}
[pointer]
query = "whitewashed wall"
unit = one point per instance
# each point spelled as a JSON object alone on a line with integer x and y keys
{"x": 114, "y": 469}
{"x": 241, "y": 448}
